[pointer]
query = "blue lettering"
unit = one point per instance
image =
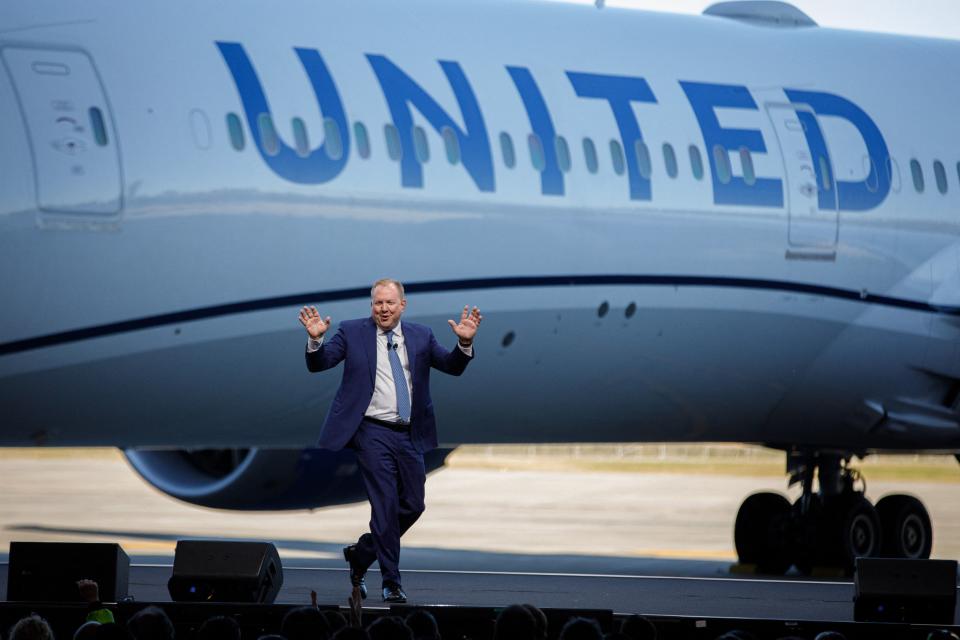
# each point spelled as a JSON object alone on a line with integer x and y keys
{"x": 704, "y": 98}
{"x": 620, "y": 91}
{"x": 551, "y": 178}
{"x": 317, "y": 167}
{"x": 851, "y": 195}
{"x": 401, "y": 91}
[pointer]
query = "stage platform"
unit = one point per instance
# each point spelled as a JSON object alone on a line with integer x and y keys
{"x": 687, "y": 607}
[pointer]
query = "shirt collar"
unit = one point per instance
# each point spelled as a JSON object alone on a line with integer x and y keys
{"x": 397, "y": 331}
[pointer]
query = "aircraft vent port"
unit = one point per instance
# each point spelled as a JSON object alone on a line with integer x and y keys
{"x": 765, "y": 13}
{"x": 250, "y": 479}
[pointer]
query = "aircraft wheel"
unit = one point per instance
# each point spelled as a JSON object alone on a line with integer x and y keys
{"x": 849, "y": 529}
{"x": 907, "y": 531}
{"x": 806, "y": 553}
{"x": 761, "y": 533}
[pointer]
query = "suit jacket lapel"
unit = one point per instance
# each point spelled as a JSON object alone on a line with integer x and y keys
{"x": 370, "y": 346}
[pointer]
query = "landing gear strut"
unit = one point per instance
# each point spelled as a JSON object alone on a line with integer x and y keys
{"x": 830, "y": 528}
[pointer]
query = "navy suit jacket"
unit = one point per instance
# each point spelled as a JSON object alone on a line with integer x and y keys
{"x": 355, "y": 343}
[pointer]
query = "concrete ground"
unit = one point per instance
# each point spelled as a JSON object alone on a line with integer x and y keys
{"x": 95, "y": 496}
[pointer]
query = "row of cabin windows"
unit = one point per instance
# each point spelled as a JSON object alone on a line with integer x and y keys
{"x": 333, "y": 145}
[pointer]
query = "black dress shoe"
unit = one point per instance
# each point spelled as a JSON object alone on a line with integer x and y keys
{"x": 393, "y": 593}
{"x": 356, "y": 571}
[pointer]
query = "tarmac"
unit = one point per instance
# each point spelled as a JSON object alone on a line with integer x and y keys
{"x": 652, "y": 543}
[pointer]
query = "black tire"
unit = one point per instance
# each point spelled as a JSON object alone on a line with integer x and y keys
{"x": 849, "y": 529}
{"x": 762, "y": 533}
{"x": 806, "y": 550}
{"x": 907, "y": 531}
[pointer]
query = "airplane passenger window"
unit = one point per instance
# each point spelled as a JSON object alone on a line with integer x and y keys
{"x": 917, "y": 172}
{"x": 616, "y": 155}
{"x": 563, "y": 153}
{"x": 332, "y": 142}
{"x": 420, "y": 145}
{"x": 268, "y": 135}
{"x": 590, "y": 155}
{"x": 363, "y": 141}
{"x": 696, "y": 162}
{"x": 721, "y": 160}
{"x": 393, "y": 141}
{"x": 506, "y": 147}
{"x": 235, "y": 129}
{"x": 300, "y": 138}
{"x": 746, "y": 164}
{"x": 941, "y": 175}
{"x": 670, "y": 159}
{"x": 98, "y": 126}
{"x": 537, "y": 158}
{"x": 452, "y": 145}
{"x": 643, "y": 159}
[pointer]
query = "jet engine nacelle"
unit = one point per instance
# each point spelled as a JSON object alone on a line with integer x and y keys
{"x": 258, "y": 479}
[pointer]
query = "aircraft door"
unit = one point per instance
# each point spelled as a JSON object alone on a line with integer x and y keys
{"x": 811, "y": 195}
{"x": 76, "y": 160}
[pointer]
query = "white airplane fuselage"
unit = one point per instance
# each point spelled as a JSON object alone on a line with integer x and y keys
{"x": 152, "y": 271}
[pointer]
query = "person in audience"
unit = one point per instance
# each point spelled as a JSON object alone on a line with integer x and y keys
{"x": 581, "y": 629}
{"x": 335, "y": 620}
{"x": 151, "y": 623}
{"x": 305, "y": 623}
{"x": 515, "y": 623}
{"x": 539, "y": 619}
{"x": 351, "y": 633}
{"x": 33, "y": 627}
{"x": 113, "y": 631}
{"x": 638, "y": 628}
{"x": 219, "y": 628}
{"x": 737, "y": 634}
{"x": 86, "y": 631}
{"x": 423, "y": 625}
{"x": 615, "y": 635}
{"x": 830, "y": 635}
{"x": 389, "y": 628}
{"x": 90, "y": 593}
{"x": 271, "y": 636}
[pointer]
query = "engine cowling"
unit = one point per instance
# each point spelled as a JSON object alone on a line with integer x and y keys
{"x": 258, "y": 479}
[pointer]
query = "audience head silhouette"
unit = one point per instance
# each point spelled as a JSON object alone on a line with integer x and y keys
{"x": 581, "y": 629}
{"x": 389, "y": 628}
{"x": 151, "y": 623}
{"x": 305, "y": 623}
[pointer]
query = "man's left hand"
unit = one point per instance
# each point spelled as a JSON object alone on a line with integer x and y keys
{"x": 468, "y": 325}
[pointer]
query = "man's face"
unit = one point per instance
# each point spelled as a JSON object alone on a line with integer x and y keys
{"x": 387, "y": 306}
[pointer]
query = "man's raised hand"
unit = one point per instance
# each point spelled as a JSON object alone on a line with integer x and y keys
{"x": 468, "y": 325}
{"x": 315, "y": 325}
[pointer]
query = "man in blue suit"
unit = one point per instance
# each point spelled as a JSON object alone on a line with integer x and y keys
{"x": 383, "y": 411}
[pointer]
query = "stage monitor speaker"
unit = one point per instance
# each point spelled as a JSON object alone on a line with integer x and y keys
{"x": 897, "y": 590}
{"x": 49, "y": 571}
{"x": 212, "y": 571}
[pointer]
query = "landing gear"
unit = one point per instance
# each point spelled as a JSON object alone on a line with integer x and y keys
{"x": 831, "y": 528}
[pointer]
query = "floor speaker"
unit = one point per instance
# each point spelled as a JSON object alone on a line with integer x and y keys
{"x": 897, "y": 590}
{"x": 49, "y": 571}
{"x": 212, "y": 571}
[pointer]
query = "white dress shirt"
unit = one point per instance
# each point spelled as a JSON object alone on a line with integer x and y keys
{"x": 383, "y": 404}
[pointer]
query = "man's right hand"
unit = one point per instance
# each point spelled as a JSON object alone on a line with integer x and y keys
{"x": 315, "y": 325}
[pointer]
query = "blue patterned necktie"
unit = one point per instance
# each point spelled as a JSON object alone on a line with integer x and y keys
{"x": 399, "y": 380}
